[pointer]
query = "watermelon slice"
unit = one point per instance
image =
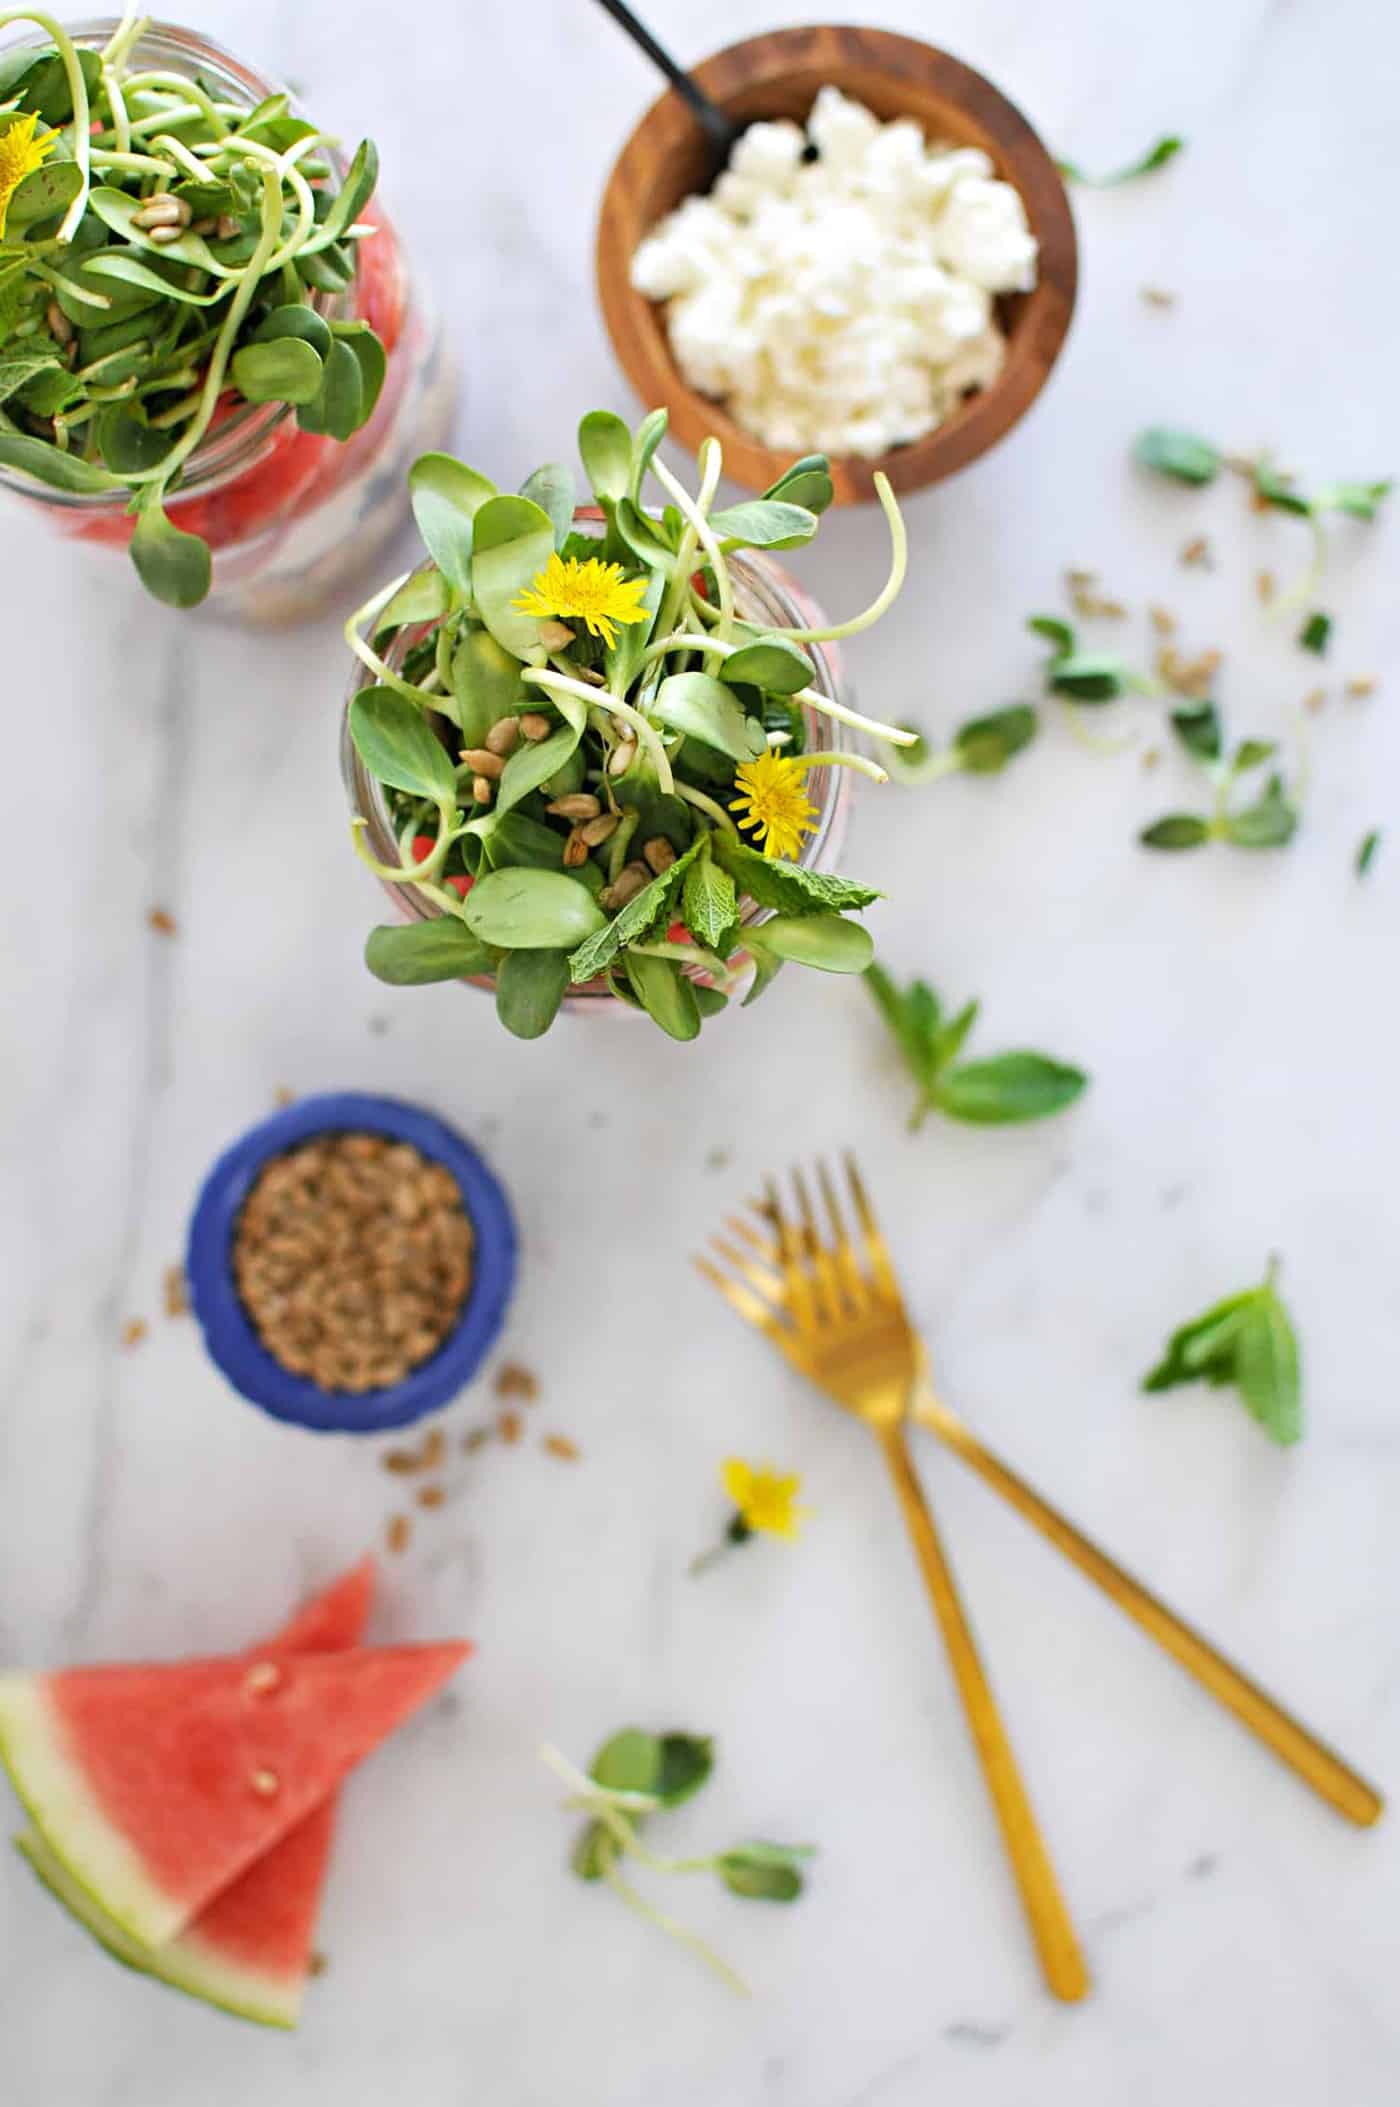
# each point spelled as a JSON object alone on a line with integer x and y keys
{"x": 156, "y": 1787}
{"x": 250, "y": 1949}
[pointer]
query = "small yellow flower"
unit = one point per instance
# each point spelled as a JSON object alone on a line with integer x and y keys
{"x": 774, "y": 802}
{"x": 765, "y": 1501}
{"x": 597, "y": 594}
{"x": 20, "y": 154}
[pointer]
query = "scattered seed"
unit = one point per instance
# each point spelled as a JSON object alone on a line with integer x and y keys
{"x": 266, "y": 1784}
{"x": 475, "y": 1438}
{"x": 164, "y": 235}
{"x": 1163, "y": 620}
{"x": 1078, "y": 580}
{"x": 283, "y": 1097}
{"x": 1315, "y": 700}
{"x": 579, "y": 804}
{"x": 1360, "y": 688}
{"x": 434, "y": 1448}
{"x": 504, "y": 736}
{"x": 260, "y": 1680}
{"x": 1265, "y": 584}
{"x": 1157, "y": 296}
{"x": 397, "y": 1534}
{"x": 622, "y": 757}
{"x": 1196, "y": 553}
{"x": 1192, "y": 677}
{"x": 176, "y": 1292}
{"x": 1152, "y": 757}
{"x": 659, "y": 854}
{"x": 317, "y": 1965}
{"x": 134, "y": 1331}
{"x": 431, "y": 1495}
{"x": 596, "y": 831}
{"x": 508, "y": 1426}
{"x": 353, "y": 1257}
{"x": 161, "y": 921}
{"x": 515, "y": 1380}
{"x": 535, "y": 727}
{"x": 560, "y": 1445}
{"x": 483, "y": 789}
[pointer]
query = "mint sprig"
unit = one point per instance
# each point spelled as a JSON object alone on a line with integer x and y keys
{"x": 1247, "y": 1341}
{"x": 1002, "y": 1090}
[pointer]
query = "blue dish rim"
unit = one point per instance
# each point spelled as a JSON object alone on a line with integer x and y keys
{"x": 233, "y": 1344}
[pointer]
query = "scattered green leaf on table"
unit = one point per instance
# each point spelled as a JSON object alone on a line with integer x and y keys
{"x": 1316, "y": 633}
{"x": 1366, "y": 853}
{"x": 1004, "y": 1089}
{"x": 1248, "y": 1340}
{"x": 1181, "y": 455}
{"x": 1157, "y": 156}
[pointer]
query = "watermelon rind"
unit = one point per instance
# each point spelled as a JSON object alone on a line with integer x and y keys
{"x": 189, "y": 1965}
{"x": 51, "y": 1788}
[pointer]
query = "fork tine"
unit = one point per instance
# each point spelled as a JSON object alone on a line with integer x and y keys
{"x": 796, "y": 1282}
{"x": 825, "y": 1295}
{"x": 763, "y": 1245}
{"x": 881, "y": 1264}
{"x": 852, "y": 1279}
{"x": 741, "y": 1299}
{"x": 759, "y": 1278}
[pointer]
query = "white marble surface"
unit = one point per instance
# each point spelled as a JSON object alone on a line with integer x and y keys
{"x": 1239, "y": 1017}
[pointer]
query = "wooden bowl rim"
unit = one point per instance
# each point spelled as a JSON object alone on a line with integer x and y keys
{"x": 636, "y": 326}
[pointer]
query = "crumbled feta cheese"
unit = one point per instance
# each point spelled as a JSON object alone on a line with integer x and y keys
{"x": 843, "y": 303}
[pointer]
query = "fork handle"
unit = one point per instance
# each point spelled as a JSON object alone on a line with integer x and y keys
{"x": 1060, "y": 1958}
{"x": 1315, "y": 1763}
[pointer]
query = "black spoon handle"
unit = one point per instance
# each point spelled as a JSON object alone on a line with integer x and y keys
{"x": 720, "y": 128}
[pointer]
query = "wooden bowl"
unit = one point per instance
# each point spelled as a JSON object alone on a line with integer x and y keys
{"x": 778, "y": 75}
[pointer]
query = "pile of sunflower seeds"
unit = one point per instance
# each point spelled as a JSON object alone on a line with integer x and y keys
{"x": 353, "y": 1257}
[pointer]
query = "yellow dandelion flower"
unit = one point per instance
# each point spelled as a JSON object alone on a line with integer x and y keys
{"x": 20, "y": 154}
{"x": 599, "y": 595}
{"x": 774, "y": 802}
{"x": 766, "y": 1501}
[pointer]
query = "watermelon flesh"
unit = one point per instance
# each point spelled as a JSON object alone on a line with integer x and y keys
{"x": 250, "y": 1949}
{"x": 156, "y": 1787}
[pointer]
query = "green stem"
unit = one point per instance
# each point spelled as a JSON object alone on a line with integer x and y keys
{"x": 676, "y": 1931}
{"x": 703, "y": 802}
{"x": 599, "y": 698}
{"x": 693, "y": 511}
{"x": 884, "y": 599}
{"x": 679, "y": 594}
{"x": 835, "y": 759}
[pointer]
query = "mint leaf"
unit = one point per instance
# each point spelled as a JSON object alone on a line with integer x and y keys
{"x": 1197, "y": 725}
{"x": 1178, "y": 830}
{"x": 1246, "y": 1340}
{"x": 710, "y": 904}
{"x": 1008, "y": 1089}
{"x": 984, "y": 745}
{"x": 1269, "y": 824}
{"x": 787, "y": 887}
{"x": 637, "y": 919}
{"x": 1054, "y": 631}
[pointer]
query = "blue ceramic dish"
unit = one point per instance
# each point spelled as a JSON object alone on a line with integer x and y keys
{"x": 234, "y": 1345}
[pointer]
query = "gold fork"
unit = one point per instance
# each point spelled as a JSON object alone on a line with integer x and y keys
{"x": 843, "y": 1325}
{"x": 759, "y": 1295}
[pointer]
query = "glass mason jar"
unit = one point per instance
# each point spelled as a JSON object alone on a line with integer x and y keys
{"x": 764, "y": 594}
{"x": 290, "y": 516}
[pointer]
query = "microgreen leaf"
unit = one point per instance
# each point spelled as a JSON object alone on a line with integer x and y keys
{"x": 174, "y": 567}
{"x": 827, "y": 941}
{"x": 664, "y": 993}
{"x": 446, "y": 497}
{"x": 984, "y": 745}
{"x": 1182, "y": 455}
{"x": 397, "y": 744}
{"x": 1197, "y": 725}
{"x": 1157, "y": 156}
{"x": 512, "y": 541}
{"x": 1248, "y": 1340}
{"x": 529, "y": 989}
{"x": 1054, "y": 630}
{"x": 486, "y": 686}
{"x": 704, "y": 708}
{"x": 764, "y": 523}
{"x": 338, "y": 410}
{"x": 709, "y": 903}
{"x": 807, "y": 483}
{"x": 788, "y": 887}
{"x": 1268, "y": 824}
{"x": 287, "y": 370}
{"x": 412, "y": 954}
{"x": 649, "y": 435}
{"x": 369, "y": 355}
{"x": 521, "y": 909}
{"x": 295, "y": 319}
{"x": 1091, "y": 676}
{"x": 762, "y": 1872}
{"x": 552, "y": 489}
{"x": 605, "y": 449}
{"x": 771, "y": 663}
{"x": 422, "y": 598}
{"x": 350, "y": 200}
{"x": 1358, "y": 500}
{"x": 1008, "y": 1088}
{"x": 1250, "y": 753}
{"x": 1366, "y": 853}
{"x": 1178, "y": 830}
{"x": 628, "y": 1761}
{"x": 531, "y": 767}
{"x": 1315, "y": 633}
{"x": 686, "y": 1759}
{"x": 1277, "y": 490}
{"x": 60, "y": 471}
